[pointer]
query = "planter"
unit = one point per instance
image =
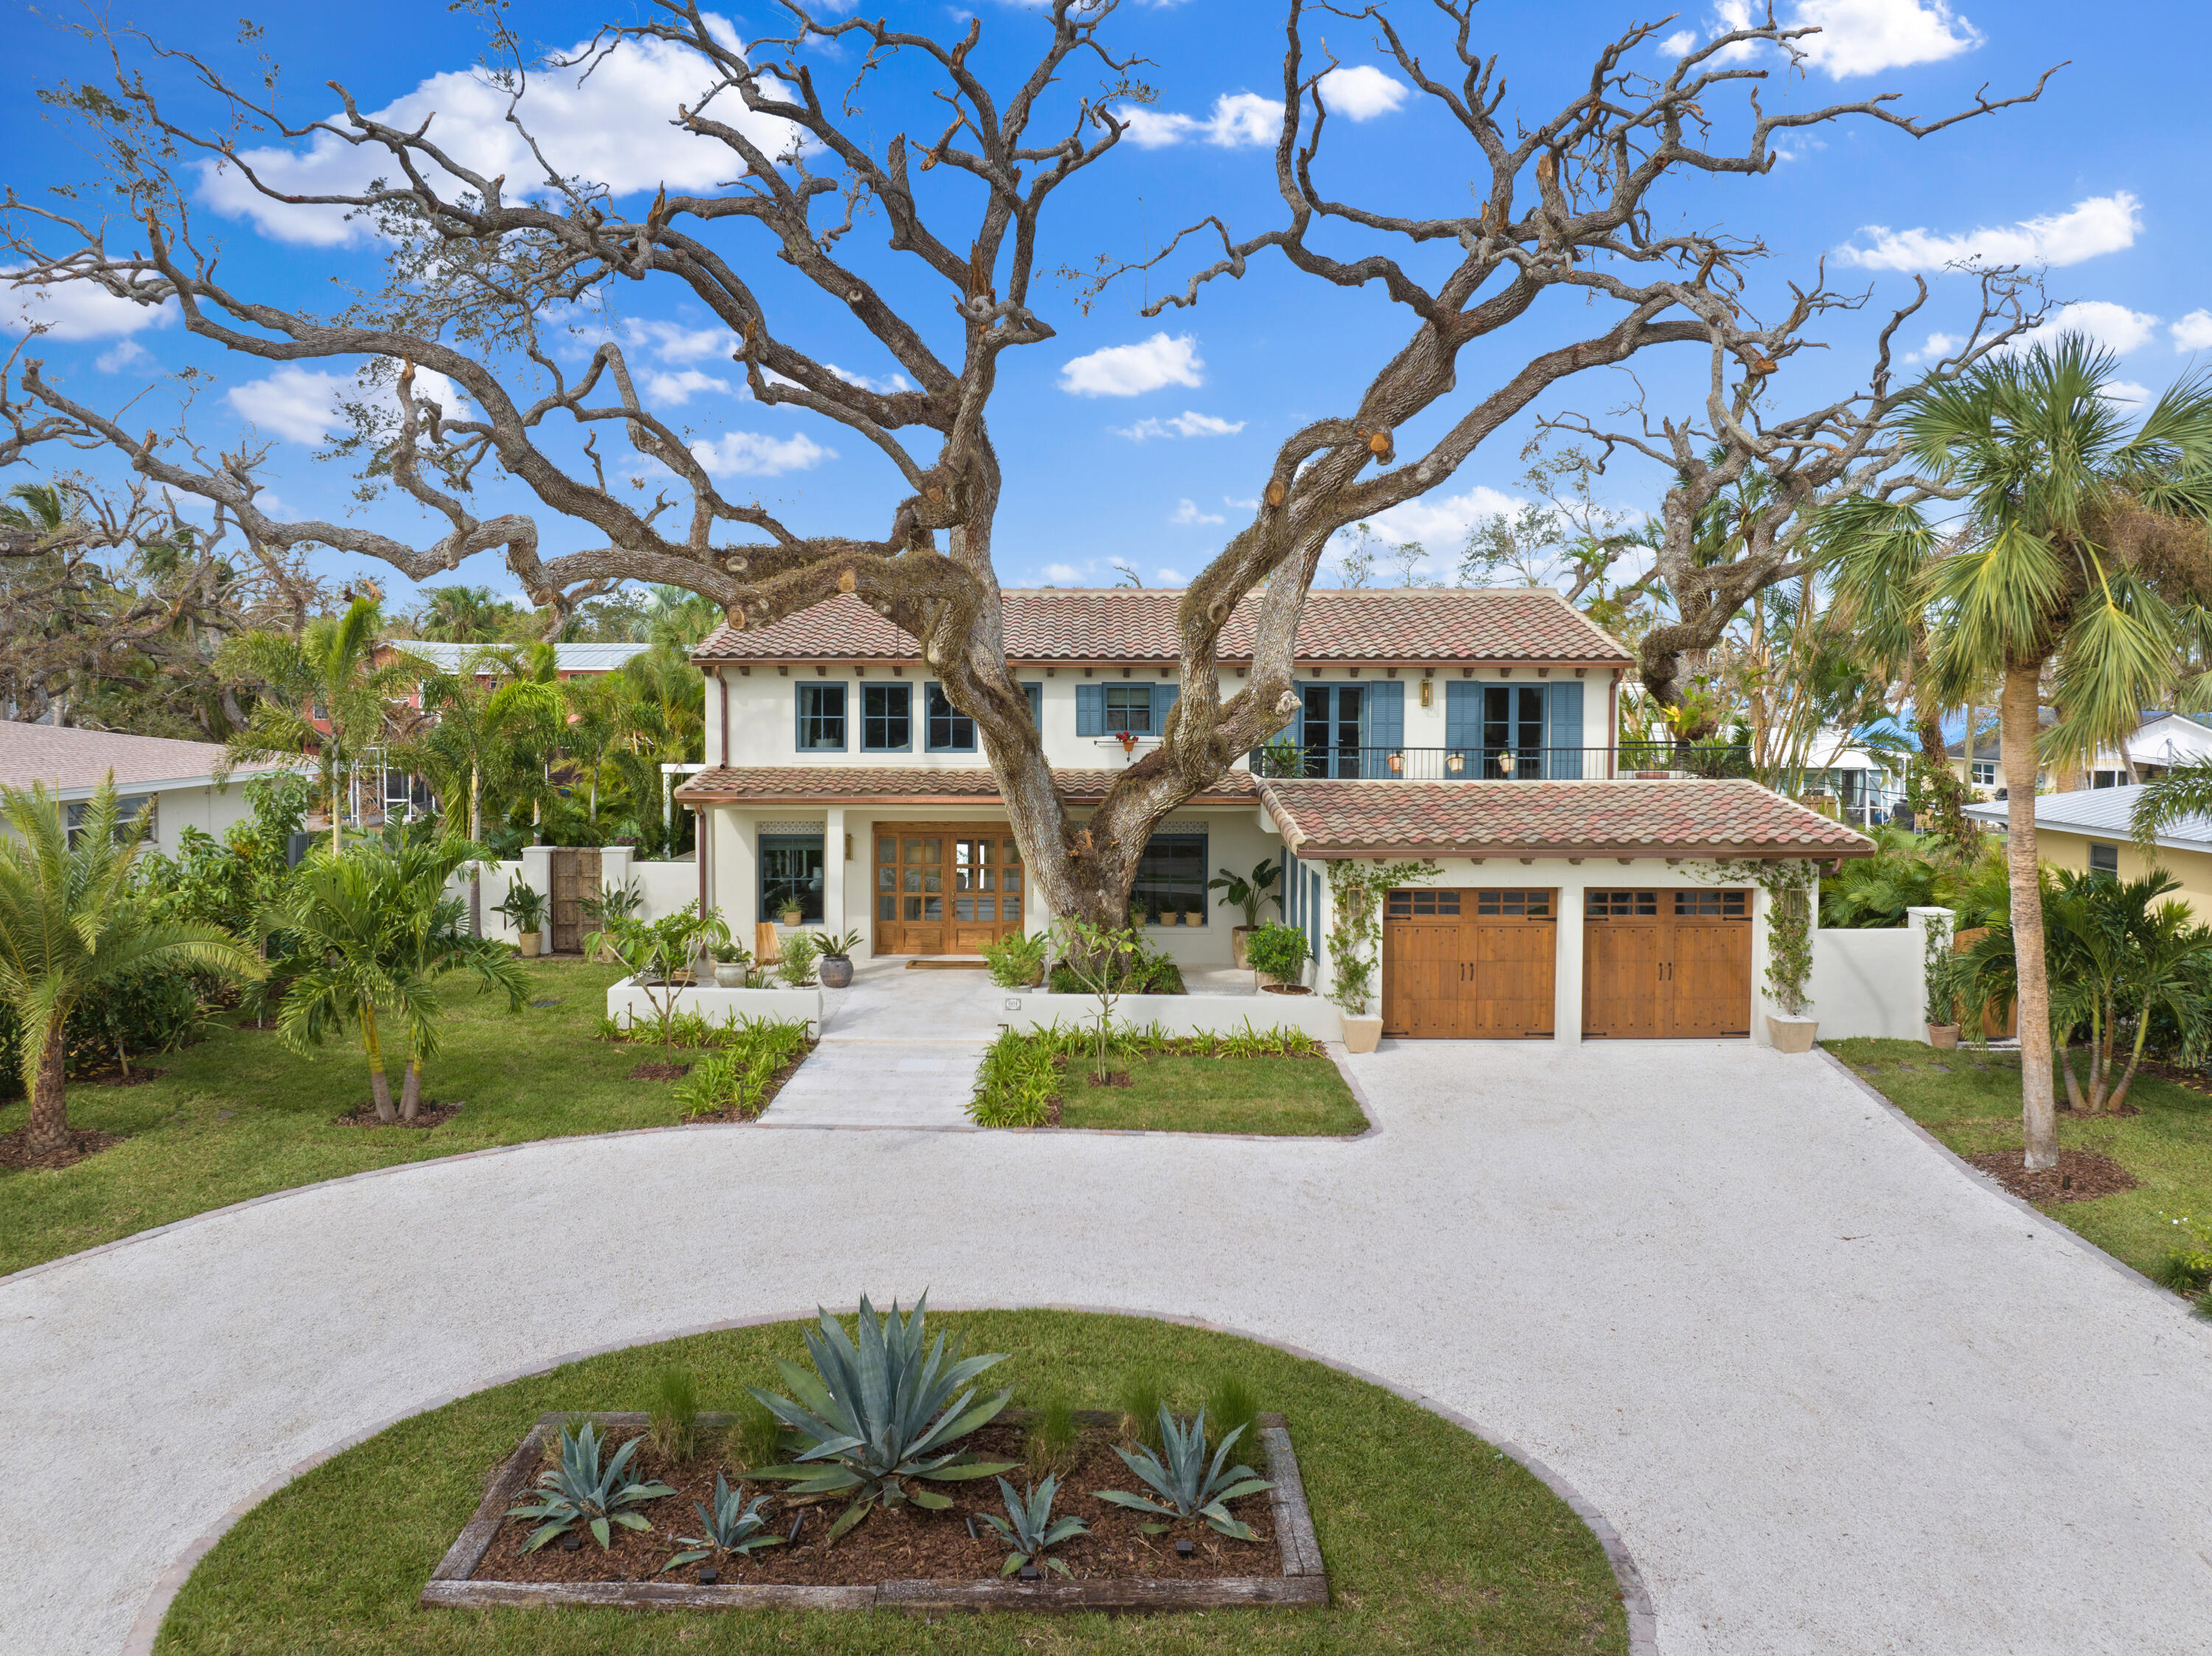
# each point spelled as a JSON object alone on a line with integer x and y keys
{"x": 730, "y": 974}
{"x": 1943, "y": 1036}
{"x": 1237, "y": 935}
{"x": 1194, "y": 916}
{"x": 1791, "y": 1034}
{"x": 527, "y": 942}
{"x": 791, "y": 917}
{"x": 835, "y": 971}
{"x": 1361, "y": 1033}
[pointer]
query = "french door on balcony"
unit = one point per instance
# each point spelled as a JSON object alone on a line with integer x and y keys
{"x": 1334, "y": 729}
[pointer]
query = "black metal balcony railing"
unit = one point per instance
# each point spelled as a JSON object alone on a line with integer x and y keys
{"x": 1501, "y": 764}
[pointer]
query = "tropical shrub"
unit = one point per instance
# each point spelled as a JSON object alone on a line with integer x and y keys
{"x": 801, "y": 950}
{"x": 1016, "y": 961}
{"x": 136, "y": 1014}
{"x": 1028, "y": 1526}
{"x": 1250, "y": 892}
{"x": 580, "y": 1489}
{"x": 1016, "y": 1082}
{"x": 733, "y": 1525}
{"x": 1280, "y": 951}
{"x": 1186, "y": 1484}
{"x": 736, "y": 1079}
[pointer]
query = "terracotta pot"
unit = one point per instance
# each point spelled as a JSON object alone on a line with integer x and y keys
{"x": 1265, "y": 980}
{"x": 1943, "y": 1036}
{"x": 527, "y": 942}
{"x": 1792, "y": 1035}
{"x": 835, "y": 971}
{"x": 1362, "y": 1035}
{"x": 730, "y": 974}
{"x": 1238, "y": 935}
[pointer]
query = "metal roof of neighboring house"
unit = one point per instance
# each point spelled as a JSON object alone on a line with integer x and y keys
{"x": 567, "y": 658}
{"x": 2105, "y": 812}
{"x": 1519, "y": 623}
{"x": 2181, "y": 742}
{"x": 845, "y": 784}
{"x": 1551, "y": 819}
{"x": 65, "y": 758}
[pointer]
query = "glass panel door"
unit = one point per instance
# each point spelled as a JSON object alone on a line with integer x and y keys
{"x": 1513, "y": 731}
{"x": 1332, "y": 728}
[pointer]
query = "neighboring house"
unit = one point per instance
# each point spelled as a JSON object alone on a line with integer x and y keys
{"x": 173, "y": 783}
{"x": 2090, "y": 830}
{"x": 569, "y": 660}
{"x": 1474, "y": 728}
{"x": 2159, "y": 742}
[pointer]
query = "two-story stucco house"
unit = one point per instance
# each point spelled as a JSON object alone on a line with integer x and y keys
{"x": 1474, "y": 729}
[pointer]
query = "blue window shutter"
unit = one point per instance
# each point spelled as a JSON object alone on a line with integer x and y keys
{"x": 1091, "y": 710}
{"x": 1297, "y": 732}
{"x": 1563, "y": 729}
{"x": 1164, "y": 700}
{"x": 798, "y": 720}
{"x": 1463, "y": 714}
{"x": 1036, "y": 693}
{"x": 1385, "y": 727}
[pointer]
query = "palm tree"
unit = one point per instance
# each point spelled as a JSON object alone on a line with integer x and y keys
{"x": 2080, "y": 551}
{"x": 371, "y": 932}
{"x": 2184, "y": 791}
{"x": 328, "y": 673}
{"x": 70, "y": 920}
{"x": 465, "y": 615}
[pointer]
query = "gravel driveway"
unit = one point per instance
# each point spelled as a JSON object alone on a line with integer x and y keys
{"x": 1836, "y": 1394}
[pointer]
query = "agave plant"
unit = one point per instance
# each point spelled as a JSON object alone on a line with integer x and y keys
{"x": 580, "y": 1490}
{"x": 1186, "y": 1483}
{"x": 879, "y": 1412}
{"x": 734, "y": 1526}
{"x": 1029, "y": 1528}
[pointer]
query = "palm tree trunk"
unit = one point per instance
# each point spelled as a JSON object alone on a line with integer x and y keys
{"x": 476, "y": 833}
{"x": 2135, "y": 1058}
{"x": 379, "y": 1084}
{"x": 2074, "y": 1096}
{"x": 49, "y": 1126}
{"x": 410, "y": 1087}
{"x": 2038, "y": 1113}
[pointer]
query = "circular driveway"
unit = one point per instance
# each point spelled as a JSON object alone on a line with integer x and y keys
{"x": 1836, "y": 1394}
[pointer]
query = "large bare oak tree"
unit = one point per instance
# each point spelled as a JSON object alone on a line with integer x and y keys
{"x": 1561, "y": 215}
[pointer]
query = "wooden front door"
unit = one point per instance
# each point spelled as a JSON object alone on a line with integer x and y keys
{"x": 947, "y": 887}
{"x": 1468, "y": 964}
{"x": 575, "y": 877}
{"x": 1666, "y": 965}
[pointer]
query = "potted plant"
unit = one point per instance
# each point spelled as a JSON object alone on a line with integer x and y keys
{"x": 606, "y": 909}
{"x": 1356, "y": 894}
{"x": 1278, "y": 957}
{"x": 732, "y": 967}
{"x": 792, "y": 914}
{"x": 524, "y": 906}
{"x": 1940, "y": 978}
{"x": 835, "y": 968}
{"x": 1248, "y": 892}
{"x": 1017, "y": 962}
{"x": 1136, "y": 916}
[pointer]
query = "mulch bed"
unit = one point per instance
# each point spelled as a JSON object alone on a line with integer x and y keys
{"x": 82, "y": 1142}
{"x": 905, "y": 1543}
{"x": 135, "y": 1078}
{"x": 654, "y": 1069}
{"x": 1285, "y": 989}
{"x": 2108, "y": 1113}
{"x": 427, "y": 1116}
{"x": 1111, "y": 1079}
{"x": 2196, "y": 1080}
{"x": 2079, "y": 1176}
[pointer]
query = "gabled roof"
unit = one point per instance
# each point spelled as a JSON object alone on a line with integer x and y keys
{"x": 2106, "y": 813}
{"x": 1323, "y": 819}
{"x": 65, "y": 758}
{"x": 1512, "y": 624}
{"x": 904, "y": 785}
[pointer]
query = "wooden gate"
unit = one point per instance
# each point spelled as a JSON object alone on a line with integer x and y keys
{"x": 575, "y": 877}
{"x": 947, "y": 887}
{"x": 1469, "y": 964}
{"x": 1666, "y": 965}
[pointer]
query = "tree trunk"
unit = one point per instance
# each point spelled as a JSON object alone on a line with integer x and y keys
{"x": 1945, "y": 794}
{"x": 411, "y": 1089}
{"x": 2038, "y": 1113}
{"x": 379, "y": 1084}
{"x": 49, "y": 1125}
{"x": 476, "y": 833}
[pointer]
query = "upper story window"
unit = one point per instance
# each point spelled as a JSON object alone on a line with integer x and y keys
{"x": 949, "y": 730}
{"x": 887, "y": 718}
{"x": 821, "y": 718}
{"x": 1986, "y": 773}
{"x": 1115, "y": 709}
{"x": 2104, "y": 860}
{"x": 1129, "y": 707}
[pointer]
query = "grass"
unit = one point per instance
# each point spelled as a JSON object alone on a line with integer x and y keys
{"x": 1178, "y": 1094}
{"x": 1975, "y": 1107}
{"x": 1434, "y": 1539}
{"x": 239, "y": 1116}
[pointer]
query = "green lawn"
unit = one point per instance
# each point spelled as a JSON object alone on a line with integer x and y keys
{"x": 1975, "y": 1106}
{"x": 237, "y": 1116}
{"x": 1177, "y": 1093}
{"x": 1434, "y": 1540}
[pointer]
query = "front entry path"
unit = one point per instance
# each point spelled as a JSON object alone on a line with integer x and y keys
{"x": 1836, "y": 1395}
{"x": 899, "y": 1049}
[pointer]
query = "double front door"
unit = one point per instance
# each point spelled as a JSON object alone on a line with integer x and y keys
{"x": 946, "y": 888}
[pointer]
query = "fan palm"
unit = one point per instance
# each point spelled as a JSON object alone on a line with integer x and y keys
{"x": 2080, "y": 552}
{"x": 71, "y": 919}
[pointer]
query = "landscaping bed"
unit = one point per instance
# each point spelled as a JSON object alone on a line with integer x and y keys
{"x": 1275, "y": 1081}
{"x": 1434, "y": 1539}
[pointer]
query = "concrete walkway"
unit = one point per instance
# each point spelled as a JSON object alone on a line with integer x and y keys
{"x": 899, "y": 1048}
{"x": 1837, "y": 1395}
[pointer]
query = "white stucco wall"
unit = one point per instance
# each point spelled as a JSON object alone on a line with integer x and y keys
{"x": 1871, "y": 982}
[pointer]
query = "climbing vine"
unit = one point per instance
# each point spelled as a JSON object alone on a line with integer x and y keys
{"x": 1356, "y": 891}
{"x": 1790, "y": 887}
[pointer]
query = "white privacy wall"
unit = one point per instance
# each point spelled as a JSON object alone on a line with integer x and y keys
{"x": 1870, "y": 982}
{"x": 666, "y": 886}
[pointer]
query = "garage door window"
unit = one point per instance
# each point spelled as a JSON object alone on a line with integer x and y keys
{"x": 1515, "y": 905}
{"x": 1712, "y": 905}
{"x": 1620, "y": 904}
{"x": 1404, "y": 905}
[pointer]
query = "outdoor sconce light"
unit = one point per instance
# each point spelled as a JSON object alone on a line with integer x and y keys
{"x": 1455, "y": 762}
{"x": 708, "y": 1575}
{"x": 1428, "y": 693}
{"x": 1397, "y": 762}
{"x": 1506, "y": 763}
{"x": 1184, "y": 1548}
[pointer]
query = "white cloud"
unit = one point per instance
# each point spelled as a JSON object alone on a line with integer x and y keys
{"x": 2193, "y": 333}
{"x": 1062, "y": 573}
{"x": 1127, "y": 370}
{"x": 1244, "y": 121}
{"x": 1362, "y": 92}
{"x": 678, "y": 388}
{"x": 1236, "y": 505}
{"x": 2101, "y": 224}
{"x": 301, "y": 404}
{"x": 884, "y": 386}
{"x": 2126, "y": 393}
{"x": 267, "y": 501}
{"x": 1440, "y": 523}
{"x": 1938, "y": 345}
{"x": 124, "y": 354}
{"x": 2113, "y": 326}
{"x": 1171, "y": 577}
{"x": 1680, "y": 44}
{"x": 747, "y": 454}
{"x": 612, "y": 128}
{"x": 1186, "y": 424}
{"x": 75, "y": 310}
{"x": 1864, "y": 37}
{"x": 1187, "y": 511}
{"x": 673, "y": 342}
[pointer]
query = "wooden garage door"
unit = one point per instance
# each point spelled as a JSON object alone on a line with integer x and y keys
{"x": 1666, "y": 964}
{"x": 1468, "y": 964}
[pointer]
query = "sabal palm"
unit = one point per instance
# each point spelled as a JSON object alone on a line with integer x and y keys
{"x": 333, "y": 665}
{"x": 2080, "y": 550}
{"x": 70, "y": 920}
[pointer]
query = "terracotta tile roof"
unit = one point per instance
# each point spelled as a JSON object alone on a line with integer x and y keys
{"x": 1551, "y": 819}
{"x": 65, "y": 758}
{"x": 903, "y": 785}
{"x": 1520, "y": 623}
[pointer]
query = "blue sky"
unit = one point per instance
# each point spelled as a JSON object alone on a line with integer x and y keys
{"x": 1134, "y": 439}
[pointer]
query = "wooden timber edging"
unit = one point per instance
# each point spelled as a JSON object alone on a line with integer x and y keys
{"x": 1301, "y": 1581}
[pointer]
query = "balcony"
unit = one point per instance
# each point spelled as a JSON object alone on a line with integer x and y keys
{"x": 1626, "y": 761}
